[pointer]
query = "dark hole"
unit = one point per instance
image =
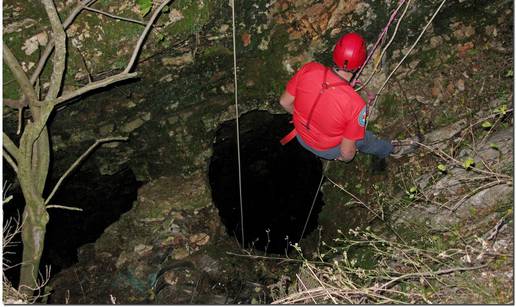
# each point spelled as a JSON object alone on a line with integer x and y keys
{"x": 278, "y": 182}
{"x": 103, "y": 199}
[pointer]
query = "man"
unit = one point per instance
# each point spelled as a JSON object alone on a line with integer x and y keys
{"x": 329, "y": 116}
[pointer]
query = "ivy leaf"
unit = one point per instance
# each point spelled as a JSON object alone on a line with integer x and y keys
{"x": 487, "y": 125}
{"x": 494, "y": 146}
{"x": 502, "y": 110}
{"x": 468, "y": 163}
{"x": 411, "y": 192}
{"x": 441, "y": 168}
{"x": 509, "y": 73}
{"x": 144, "y": 6}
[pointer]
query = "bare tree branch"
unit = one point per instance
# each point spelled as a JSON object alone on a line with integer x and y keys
{"x": 51, "y": 43}
{"x": 59, "y": 36}
{"x": 16, "y": 103}
{"x": 144, "y": 35}
{"x": 11, "y": 148}
{"x": 10, "y": 160}
{"x": 79, "y": 160}
{"x": 115, "y": 16}
{"x": 93, "y": 86}
{"x": 63, "y": 207}
{"x": 19, "y": 75}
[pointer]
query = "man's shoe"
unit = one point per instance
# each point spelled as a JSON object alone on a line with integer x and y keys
{"x": 404, "y": 147}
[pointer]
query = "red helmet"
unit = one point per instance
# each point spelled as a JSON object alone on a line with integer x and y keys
{"x": 350, "y": 52}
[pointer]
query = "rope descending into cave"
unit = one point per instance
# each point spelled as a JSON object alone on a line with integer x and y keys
{"x": 372, "y": 98}
{"x": 327, "y": 164}
{"x": 232, "y": 3}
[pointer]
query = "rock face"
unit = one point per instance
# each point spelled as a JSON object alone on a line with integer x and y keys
{"x": 167, "y": 249}
{"x": 457, "y": 200}
{"x": 137, "y": 256}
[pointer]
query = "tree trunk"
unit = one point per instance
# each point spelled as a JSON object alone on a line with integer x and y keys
{"x": 32, "y": 174}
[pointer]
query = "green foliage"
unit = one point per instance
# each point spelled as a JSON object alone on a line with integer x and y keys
{"x": 494, "y": 146}
{"x": 501, "y": 110}
{"x": 442, "y": 168}
{"x": 487, "y": 125}
{"x": 411, "y": 192}
{"x": 468, "y": 163}
{"x": 145, "y": 6}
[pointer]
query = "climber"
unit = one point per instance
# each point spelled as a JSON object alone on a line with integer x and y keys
{"x": 329, "y": 116}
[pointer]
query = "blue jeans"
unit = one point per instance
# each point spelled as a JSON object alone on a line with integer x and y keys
{"x": 370, "y": 144}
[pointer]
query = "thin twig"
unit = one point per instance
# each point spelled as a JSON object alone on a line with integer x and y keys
{"x": 277, "y": 258}
{"x": 115, "y": 16}
{"x": 63, "y": 207}
{"x": 474, "y": 192}
{"x": 494, "y": 231}
{"x": 431, "y": 274}
{"x": 143, "y": 36}
{"x": 306, "y": 289}
{"x": 79, "y": 161}
{"x": 322, "y": 285}
{"x": 449, "y": 158}
{"x": 354, "y": 197}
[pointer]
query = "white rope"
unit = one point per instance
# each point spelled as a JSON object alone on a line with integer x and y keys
{"x": 315, "y": 197}
{"x": 407, "y": 54}
{"x": 384, "y": 50}
{"x": 237, "y": 124}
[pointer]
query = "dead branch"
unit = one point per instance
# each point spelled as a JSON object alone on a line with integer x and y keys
{"x": 143, "y": 36}
{"x": 59, "y": 36}
{"x": 51, "y": 44}
{"x": 16, "y": 103}
{"x": 11, "y": 148}
{"x": 11, "y": 162}
{"x": 306, "y": 289}
{"x": 64, "y": 207}
{"x": 430, "y": 274}
{"x": 19, "y": 75}
{"x": 451, "y": 159}
{"x": 93, "y": 86}
{"x": 79, "y": 161}
{"x": 278, "y": 259}
{"x": 114, "y": 16}
{"x": 474, "y": 192}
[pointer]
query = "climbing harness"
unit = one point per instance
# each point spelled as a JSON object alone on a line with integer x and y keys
{"x": 370, "y": 103}
{"x": 232, "y": 3}
{"x": 324, "y": 86}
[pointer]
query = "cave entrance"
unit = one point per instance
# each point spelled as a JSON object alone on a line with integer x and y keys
{"x": 103, "y": 198}
{"x": 278, "y": 182}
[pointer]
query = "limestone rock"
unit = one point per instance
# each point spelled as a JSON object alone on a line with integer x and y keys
{"x": 181, "y": 60}
{"x": 445, "y": 132}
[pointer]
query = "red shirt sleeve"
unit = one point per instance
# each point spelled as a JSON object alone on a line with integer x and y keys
{"x": 355, "y": 128}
